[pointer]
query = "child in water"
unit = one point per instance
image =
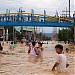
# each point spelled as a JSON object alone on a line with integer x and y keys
{"x": 40, "y": 50}
{"x": 15, "y": 45}
{"x": 61, "y": 63}
{"x": 33, "y": 52}
{"x": 11, "y": 46}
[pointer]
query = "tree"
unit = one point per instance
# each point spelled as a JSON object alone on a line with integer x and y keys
{"x": 64, "y": 35}
{"x": 72, "y": 33}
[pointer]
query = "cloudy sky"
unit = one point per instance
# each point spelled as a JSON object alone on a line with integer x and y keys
{"x": 38, "y": 5}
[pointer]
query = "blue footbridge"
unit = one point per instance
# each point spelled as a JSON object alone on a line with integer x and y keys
{"x": 22, "y": 18}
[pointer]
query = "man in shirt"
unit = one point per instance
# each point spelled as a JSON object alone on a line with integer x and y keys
{"x": 61, "y": 63}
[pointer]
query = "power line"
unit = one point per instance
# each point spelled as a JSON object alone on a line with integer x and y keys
{"x": 8, "y": 4}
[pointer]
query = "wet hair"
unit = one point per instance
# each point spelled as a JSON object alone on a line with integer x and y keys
{"x": 59, "y": 46}
{"x": 11, "y": 42}
{"x": 33, "y": 43}
{"x": 67, "y": 49}
{"x": 40, "y": 43}
{"x": 14, "y": 42}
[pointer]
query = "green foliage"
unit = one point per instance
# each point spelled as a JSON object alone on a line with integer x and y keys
{"x": 72, "y": 33}
{"x": 66, "y": 34}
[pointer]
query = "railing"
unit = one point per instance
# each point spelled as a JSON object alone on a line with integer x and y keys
{"x": 27, "y": 18}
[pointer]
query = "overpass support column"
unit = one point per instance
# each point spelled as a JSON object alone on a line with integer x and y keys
{"x": 7, "y": 34}
{"x": 3, "y": 34}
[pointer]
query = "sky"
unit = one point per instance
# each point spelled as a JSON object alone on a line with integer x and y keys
{"x": 51, "y": 6}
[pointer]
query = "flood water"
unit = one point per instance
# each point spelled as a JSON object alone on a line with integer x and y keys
{"x": 16, "y": 62}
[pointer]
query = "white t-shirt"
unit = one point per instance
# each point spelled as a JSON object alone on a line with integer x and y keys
{"x": 62, "y": 60}
{"x": 40, "y": 51}
{"x": 32, "y": 52}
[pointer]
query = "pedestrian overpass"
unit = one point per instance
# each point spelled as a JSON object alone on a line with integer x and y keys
{"x": 22, "y": 18}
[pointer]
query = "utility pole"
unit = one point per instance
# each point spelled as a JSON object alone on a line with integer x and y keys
{"x": 69, "y": 8}
{"x": 66, "y": 13}
{"x": 13, "y": 33}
